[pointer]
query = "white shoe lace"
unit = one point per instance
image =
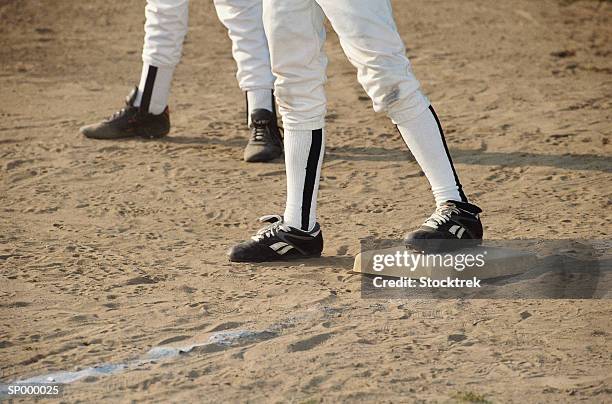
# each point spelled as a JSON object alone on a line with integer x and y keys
{"x": 258, "y": 133}
{"x": 441, "y": 215}
{"x": 276, "y": 223}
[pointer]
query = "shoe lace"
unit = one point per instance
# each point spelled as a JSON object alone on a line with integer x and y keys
{"x": 259, "y": 132}
{"x": 118, "y": 114}
{"x": 275, "y": 224}
{"x": 442, "y": 215}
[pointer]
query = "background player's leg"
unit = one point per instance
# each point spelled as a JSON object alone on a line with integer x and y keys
{"x": 244, "y": 23}
{"x": 165, "y": 29}
{"x": 146, "y": 113}
{"x": 296, "y": 36}
{"x": 372, "y": 43}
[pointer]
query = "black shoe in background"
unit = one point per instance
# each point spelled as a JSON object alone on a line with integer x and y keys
{"x": 266, "y": 142}
{"x": 130, "y": 122}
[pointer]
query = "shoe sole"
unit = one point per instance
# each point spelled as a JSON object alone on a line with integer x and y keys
{"x": 277, "y": 259}
{"x": 125, "y": 136}
{"x": 273, "y": 155}
{"x": 262, "y": 160}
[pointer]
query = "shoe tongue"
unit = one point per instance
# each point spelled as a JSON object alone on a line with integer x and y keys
{"x": 261, "y": 117}
{"x": 271, "y": 218}
{"x": 131, "y": 98}
{"x": 468, "y": 207}
{"x": 446, "y": 206}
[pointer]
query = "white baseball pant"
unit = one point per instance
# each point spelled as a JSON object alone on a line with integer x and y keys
{"x": 370, "y": 40}
{"x": 165, "y": 29}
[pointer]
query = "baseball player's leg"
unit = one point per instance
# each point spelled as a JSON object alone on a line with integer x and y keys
{"x": 296, "y": 35}
{"x": 370, "y": 39}
{"x": 146, "y": 113}
{"x": 243, "y": 20}
{"x": 165, "y": 29}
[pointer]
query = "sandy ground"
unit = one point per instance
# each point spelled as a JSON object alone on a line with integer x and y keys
{"x": 111, "y": 248}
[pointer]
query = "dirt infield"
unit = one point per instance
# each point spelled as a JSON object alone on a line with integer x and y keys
{"x": 108, "y": 249}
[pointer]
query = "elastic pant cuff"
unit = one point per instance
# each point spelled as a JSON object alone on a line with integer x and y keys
{"x": 319, "y": 124}
{"x": 406, "y": 111}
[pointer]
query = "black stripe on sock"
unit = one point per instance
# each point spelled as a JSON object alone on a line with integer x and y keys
{"x": 147, "y": 91}
{"x": 246, "y": 102}
{"x": 273, "y": 105}
{"x": 311, "y": 176}
{"x": 450, "y": 160}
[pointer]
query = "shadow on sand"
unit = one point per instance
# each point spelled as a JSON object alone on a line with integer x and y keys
{"x": 463, "y": 156}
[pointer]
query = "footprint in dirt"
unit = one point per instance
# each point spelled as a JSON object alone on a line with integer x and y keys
{"x": 174, "y": 339}
{"x": 342, "y": 250}
{"x": 309, "y": 343}
{"x": 225, "y": 326}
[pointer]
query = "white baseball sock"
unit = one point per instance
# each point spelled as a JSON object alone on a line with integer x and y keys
{"x": 258, "y": 99}
{"x": 304, "y": 151}
{"x": 154, "y": 88}
{"x": 425, "y": 139}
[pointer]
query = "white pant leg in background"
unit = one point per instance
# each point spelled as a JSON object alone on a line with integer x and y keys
{"x": 165, "y": 29}
{"x": 243, "y": 20}
{"x": 369, "y": 38}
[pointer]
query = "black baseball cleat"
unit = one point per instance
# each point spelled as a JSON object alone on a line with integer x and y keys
{"x": 278, "y": 242}
{"x": 130, "y": 121}
{"x": 266, "y": 142}
{"x": 452, "y": 226}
